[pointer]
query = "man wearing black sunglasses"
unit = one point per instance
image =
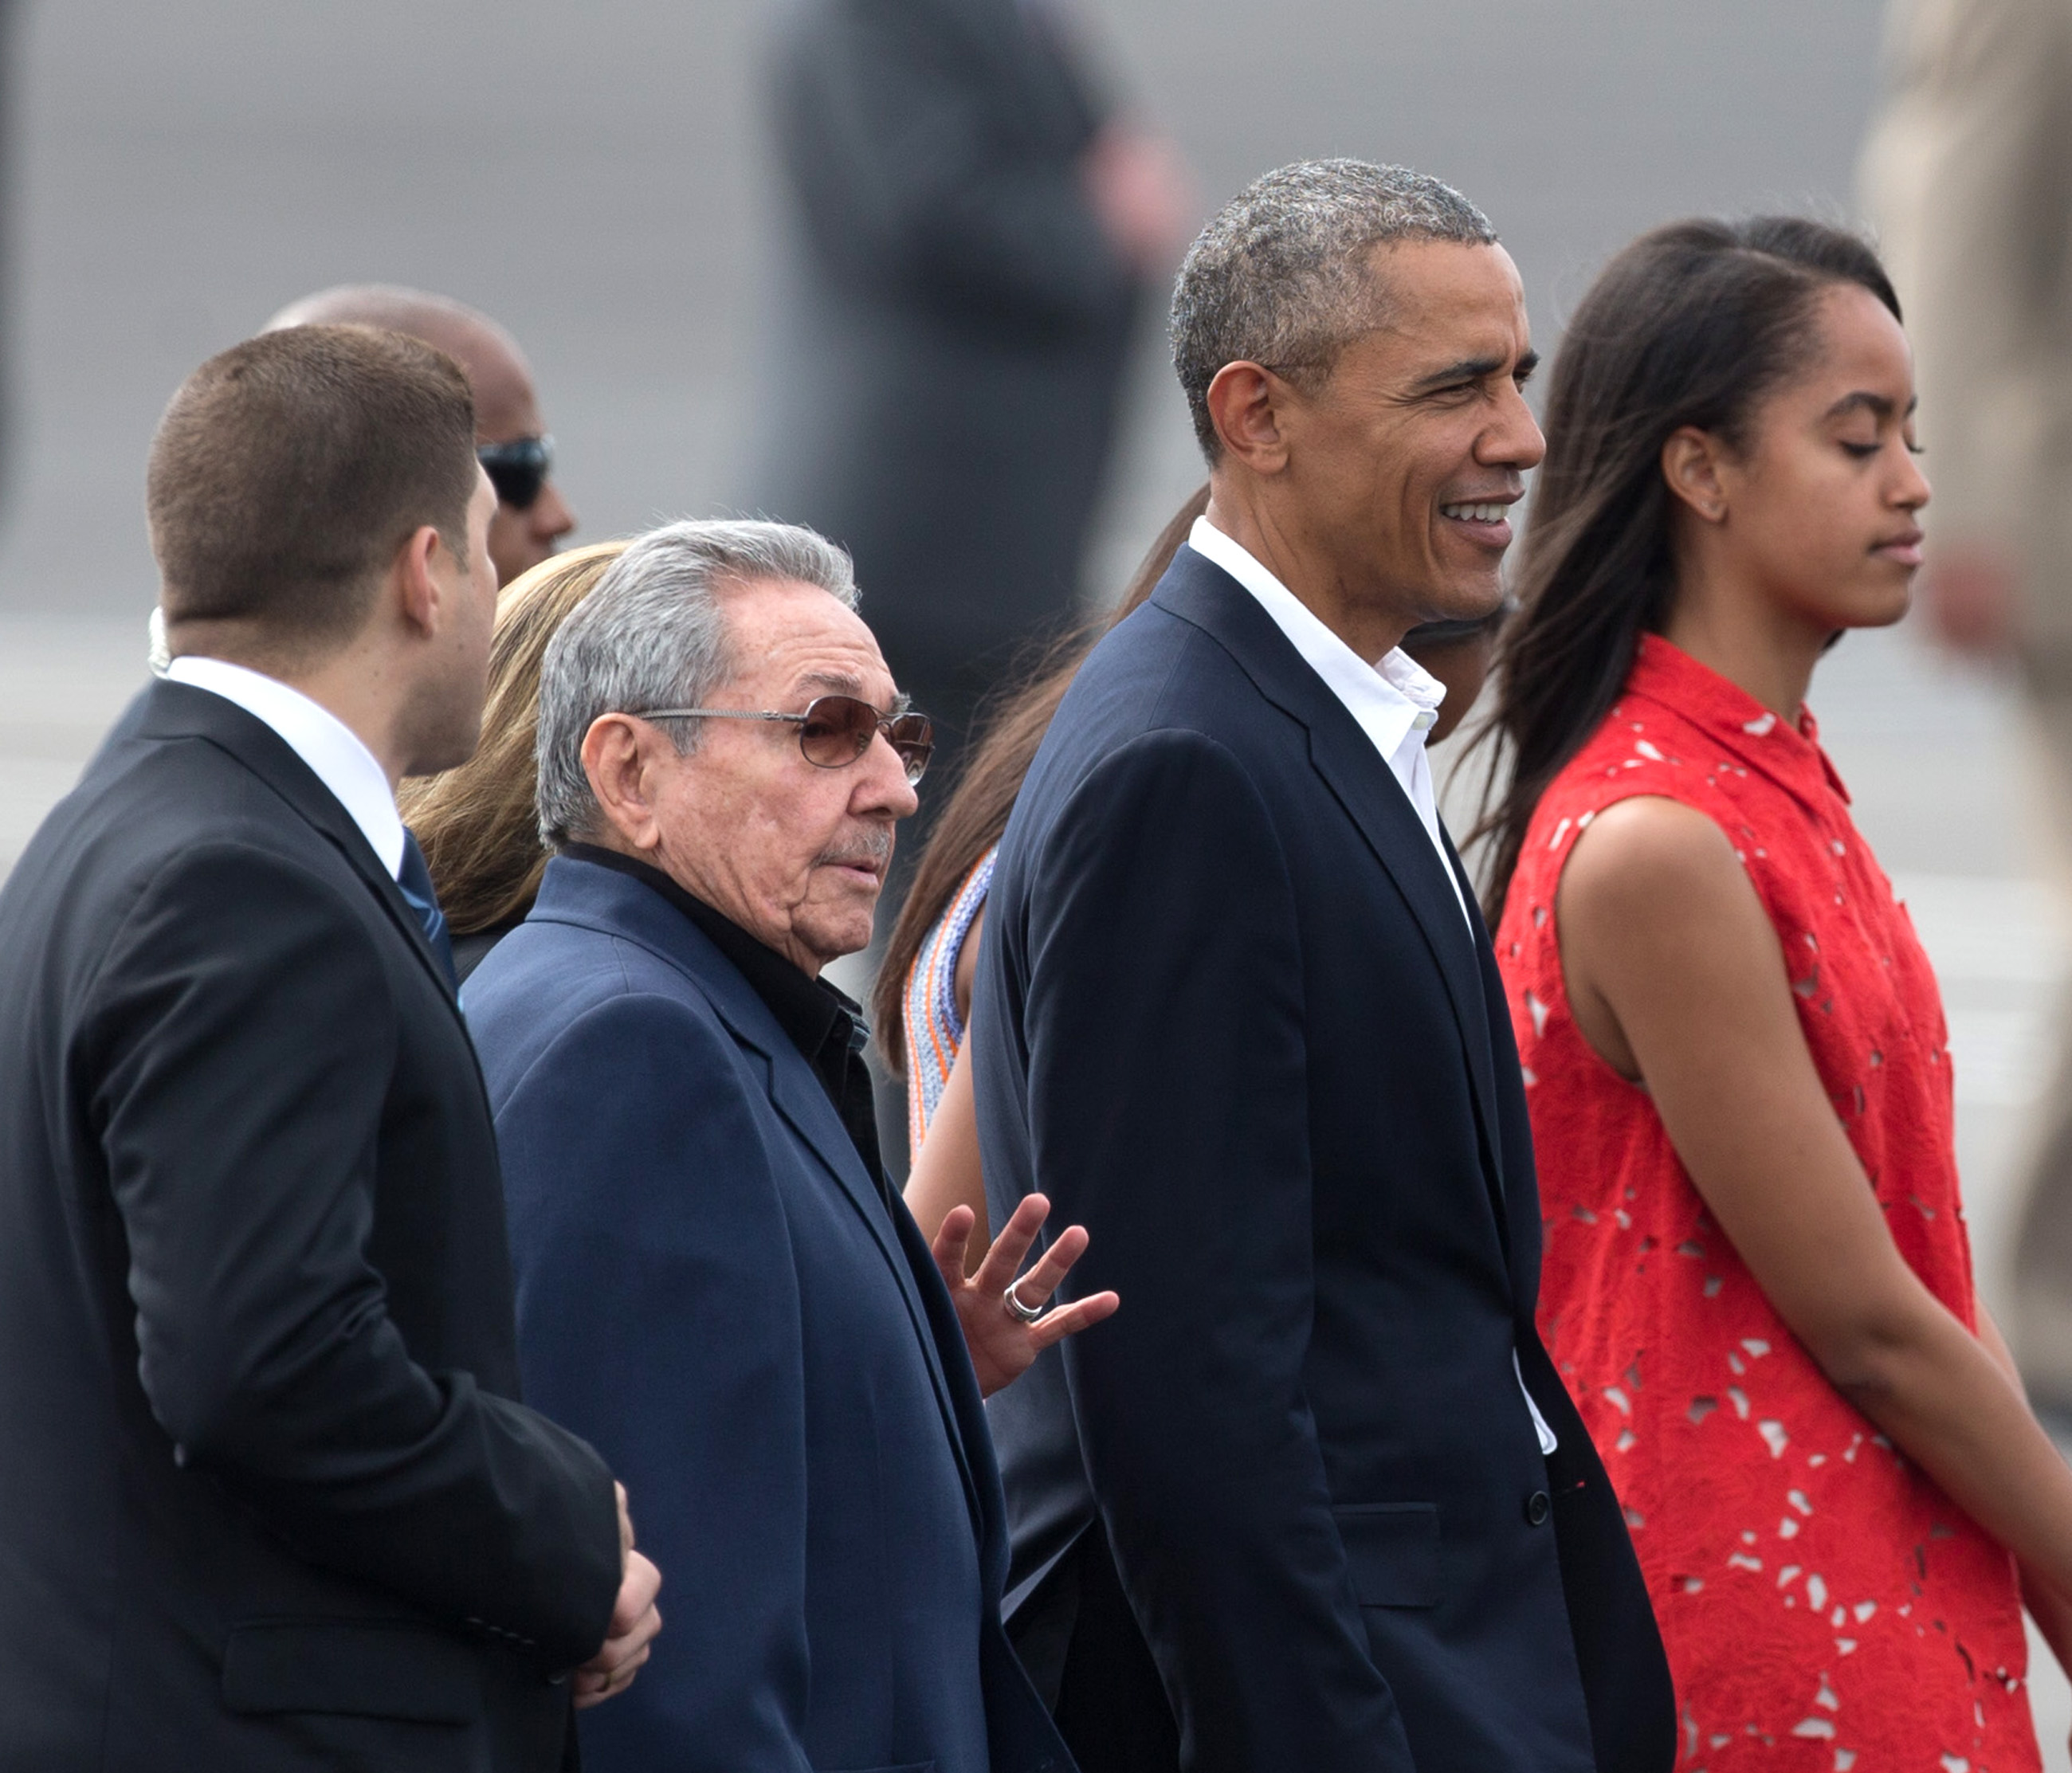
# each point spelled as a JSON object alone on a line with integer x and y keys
{"x": 511, "y": 440}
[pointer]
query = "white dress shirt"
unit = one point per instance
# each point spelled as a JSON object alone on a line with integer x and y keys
{"x": 334, "y": 752}
{"x": 1395, "y": 701}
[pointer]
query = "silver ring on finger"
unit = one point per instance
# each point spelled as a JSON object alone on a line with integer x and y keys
{"x": 1028, "y": 1313}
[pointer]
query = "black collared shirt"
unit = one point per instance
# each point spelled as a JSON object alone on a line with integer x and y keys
{"x": 825, "y": 1024}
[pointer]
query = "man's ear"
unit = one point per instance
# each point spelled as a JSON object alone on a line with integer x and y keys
{"x": 419, "y": 600}
{"x": 618, "y": 754}
{"x": 1247, "y": 404}
{"x": 1691, "y": 462}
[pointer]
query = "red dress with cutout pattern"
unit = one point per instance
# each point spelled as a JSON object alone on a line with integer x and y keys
{"x": 1825, "y": 1606}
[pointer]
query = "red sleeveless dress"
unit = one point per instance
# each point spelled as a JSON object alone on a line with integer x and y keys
{"x": 1825, "y": 1606}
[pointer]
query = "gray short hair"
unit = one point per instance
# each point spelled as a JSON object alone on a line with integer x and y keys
{"x": 653, "y": 635}
{"x": 1279, "y": 276}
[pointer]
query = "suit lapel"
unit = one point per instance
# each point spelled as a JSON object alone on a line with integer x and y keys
{"x": 805, "y": 1107}
{"x": 1201, "y": 593}
{"x": 624, "y": 908}
{"x": 177, "y": 710}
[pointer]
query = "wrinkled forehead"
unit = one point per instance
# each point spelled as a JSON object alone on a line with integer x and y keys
{"x": 792, "y": 642}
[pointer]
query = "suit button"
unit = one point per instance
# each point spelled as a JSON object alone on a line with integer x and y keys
{"x": 1538, "y": 1507}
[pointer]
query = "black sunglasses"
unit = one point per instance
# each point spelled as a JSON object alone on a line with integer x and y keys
{"x": 835, "y": 731}
{"x": 518, "y": 469}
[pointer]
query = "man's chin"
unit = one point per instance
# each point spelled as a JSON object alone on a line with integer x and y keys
{"x": 843, "y": 928}
{"x": 1465, "y": 597}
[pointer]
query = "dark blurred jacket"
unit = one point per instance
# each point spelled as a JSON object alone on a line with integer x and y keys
{"x": 944, "y": 387}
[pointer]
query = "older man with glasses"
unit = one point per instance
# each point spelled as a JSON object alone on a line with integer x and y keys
{"x": 716, "y": 1281}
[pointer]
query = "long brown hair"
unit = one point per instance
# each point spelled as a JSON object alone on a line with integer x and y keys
{"x": 478, "y": 824}
{"x": 975, "y": 816}
{"x": 1692, "y": 324}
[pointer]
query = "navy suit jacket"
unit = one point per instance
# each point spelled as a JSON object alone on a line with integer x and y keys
{"x": 1230, "y": 1016}
{"x": 711, "y": 1286}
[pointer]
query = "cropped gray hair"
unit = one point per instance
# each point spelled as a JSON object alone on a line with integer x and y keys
{"x": 1280, "y": 276}
{"x": 653, "y": 635}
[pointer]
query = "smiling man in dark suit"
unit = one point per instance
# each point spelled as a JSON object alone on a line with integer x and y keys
{"x": 1317, "y": 1501}
{"x": 269, "y": 1500}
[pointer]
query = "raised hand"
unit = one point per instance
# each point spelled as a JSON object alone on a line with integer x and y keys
{"x": 634, "y": 1621}
{"x": 1004, "y": 1323}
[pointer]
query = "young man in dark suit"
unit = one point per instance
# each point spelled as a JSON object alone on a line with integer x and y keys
{"x": 1317, "y": 1501}
{"x": 271, "y": 1500}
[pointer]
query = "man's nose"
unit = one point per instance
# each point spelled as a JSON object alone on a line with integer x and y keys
{"x": 882, "y": 785}
{"x": 1513, "y": 439}
{"x": 550, "y": 517}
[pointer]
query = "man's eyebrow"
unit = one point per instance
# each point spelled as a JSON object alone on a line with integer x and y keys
{"x": 1473, "y": 369}
{"x": 833, "y": 683}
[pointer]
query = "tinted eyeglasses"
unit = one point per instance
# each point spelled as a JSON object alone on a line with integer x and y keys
{"x": 835, "y": 731}
{"x": 518, "y": 469}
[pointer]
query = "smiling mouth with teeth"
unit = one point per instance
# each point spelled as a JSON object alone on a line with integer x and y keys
{"x": 1475, "y": 513}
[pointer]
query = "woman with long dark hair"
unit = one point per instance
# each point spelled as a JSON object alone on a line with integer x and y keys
{"x": 1757, "y": 1280}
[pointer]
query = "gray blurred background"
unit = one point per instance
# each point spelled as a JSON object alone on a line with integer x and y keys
{"x": 598, "y": 178}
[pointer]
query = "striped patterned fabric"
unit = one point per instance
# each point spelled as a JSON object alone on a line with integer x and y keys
{"x": 934, "y": 1030}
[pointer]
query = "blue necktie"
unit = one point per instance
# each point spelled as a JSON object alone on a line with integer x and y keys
{"x": 415, "y": 879}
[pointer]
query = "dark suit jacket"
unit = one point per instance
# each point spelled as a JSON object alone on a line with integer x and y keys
{"x": 267, "y": 1499}
{"x": 710, "y": 1286}
{"x": 946, "y": 368}
{"x": 1230, "y": 1018}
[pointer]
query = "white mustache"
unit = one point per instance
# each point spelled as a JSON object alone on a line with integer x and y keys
{"x": 874, "y": 847}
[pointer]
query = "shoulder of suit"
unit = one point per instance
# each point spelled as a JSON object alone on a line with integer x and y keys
{"x": 554, "y": 970}
{"x": 174, "y": 790}
{"x": 166, "y": 810}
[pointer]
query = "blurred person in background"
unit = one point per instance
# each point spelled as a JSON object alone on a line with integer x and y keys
{"x": 479, "y": 824}
{"x": 1969, "y": 174}
{"x": 510, "y": 437}
{"x": 921, "y": 1005}
{"x": 1315, "y": 1500}
{"x": 974, "y": 230}
{"x": 1757, "y": 1278}
{"x": 715, "y": 1280}
{"x": 272, "y": 1501}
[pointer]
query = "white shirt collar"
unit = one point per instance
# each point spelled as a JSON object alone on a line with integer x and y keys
{"x": 334, "y": 752}
{"x": 1392, "y": 701}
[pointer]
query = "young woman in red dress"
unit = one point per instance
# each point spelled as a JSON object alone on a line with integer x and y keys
{"x": 1757, "y": 1282}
